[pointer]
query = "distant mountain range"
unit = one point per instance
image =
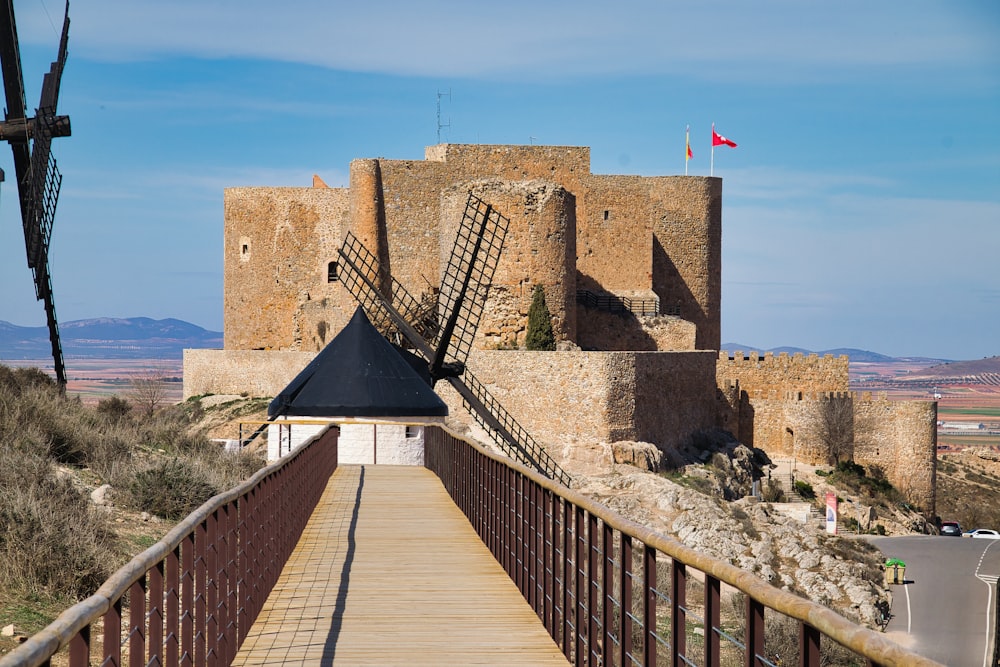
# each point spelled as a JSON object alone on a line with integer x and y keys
{"x": 108, "y": 338}
{"x": 146, "y": 338}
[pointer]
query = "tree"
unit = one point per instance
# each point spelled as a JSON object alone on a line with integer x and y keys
{"x": 147, "y": 393}
{"x": 539, "y": 335}
{"x": 836, "y": 428}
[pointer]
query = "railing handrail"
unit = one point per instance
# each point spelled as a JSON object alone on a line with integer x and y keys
{"x": 38, "y": 648}
{"x": 615, "y": 303}
{"x": 861, "y": 640}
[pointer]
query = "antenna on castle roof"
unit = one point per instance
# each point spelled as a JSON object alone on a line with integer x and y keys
{"x": 440, "y": 125}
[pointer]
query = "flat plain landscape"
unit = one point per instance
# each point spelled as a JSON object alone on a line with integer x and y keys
{"x": 94, "y": 379}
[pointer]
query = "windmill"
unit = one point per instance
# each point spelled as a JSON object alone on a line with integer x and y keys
{"x": 38, "y": 178}
{"x": 444, "y": 332}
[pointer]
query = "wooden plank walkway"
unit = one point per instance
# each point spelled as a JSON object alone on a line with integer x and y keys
{"x": 389, "y": 572}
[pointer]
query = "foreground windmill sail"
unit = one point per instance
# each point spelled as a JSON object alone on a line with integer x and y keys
{"x": 38, "y": 178}
{"x": 444, "y": 335}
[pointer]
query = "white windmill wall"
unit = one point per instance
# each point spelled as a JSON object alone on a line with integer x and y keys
{"x": 282, "y": 438}
{"x": 390, "y": 444}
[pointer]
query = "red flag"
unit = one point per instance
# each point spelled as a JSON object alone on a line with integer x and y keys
{"x": 719, "y": 140}
{"x": 687, "y": 137}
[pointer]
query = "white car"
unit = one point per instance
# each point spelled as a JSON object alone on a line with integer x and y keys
{"x": 985, "y": 533}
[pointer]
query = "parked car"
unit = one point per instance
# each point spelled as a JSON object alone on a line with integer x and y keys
{"x": 985, "y": 533}
{"x": 950, "y": 529}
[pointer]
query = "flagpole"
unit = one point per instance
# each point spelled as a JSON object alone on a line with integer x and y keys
{"x": 711, "y": 170}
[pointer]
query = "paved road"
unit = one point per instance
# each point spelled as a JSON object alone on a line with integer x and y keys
{"x": 946, "y": 609}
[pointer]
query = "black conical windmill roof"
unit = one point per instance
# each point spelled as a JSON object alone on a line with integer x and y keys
{"x": 359, "y": 374}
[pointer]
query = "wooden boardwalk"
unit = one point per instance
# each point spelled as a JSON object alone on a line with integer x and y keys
{"x": 389, "y": 572}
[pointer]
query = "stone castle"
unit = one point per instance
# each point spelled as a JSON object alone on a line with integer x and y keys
{"x": 651, "y": 246}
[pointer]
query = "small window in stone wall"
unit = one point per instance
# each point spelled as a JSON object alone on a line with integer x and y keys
{"x": 331, "y": 272}
{"x": 607, "y": 214}
{"x": 412, "y": 431}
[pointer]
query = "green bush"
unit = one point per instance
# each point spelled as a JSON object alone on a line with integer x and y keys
{"x": 171, "y": 489}
{"x": 114, "y": 408}
{"x": 539, "y": 335}
{"x": 804, "y": 489}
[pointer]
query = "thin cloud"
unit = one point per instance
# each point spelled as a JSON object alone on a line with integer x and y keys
{"x": 762, "y": 41}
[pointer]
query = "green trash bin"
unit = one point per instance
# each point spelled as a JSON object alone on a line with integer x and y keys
{"x": 895, "y": 571}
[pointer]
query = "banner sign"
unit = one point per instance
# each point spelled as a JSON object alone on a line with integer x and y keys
{"x": 831, "y": 513}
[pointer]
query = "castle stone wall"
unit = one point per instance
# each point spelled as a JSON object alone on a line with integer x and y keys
{"x": 256, "y": 373}
{"x": 615, "y": 236}
{"x": 781, "y": 373}
{"x": 278, "y": 246}
{"x": 598, "y": 329}
{"x": 567, "y": 398}
{"x": 901, "y": 438}
{"x": 628, "y": 235}
{"x": 539, "y": 250}
{"x": 686, "y": 214}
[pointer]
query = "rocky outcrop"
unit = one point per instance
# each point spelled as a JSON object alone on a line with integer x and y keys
{"x": 833, "y": 571}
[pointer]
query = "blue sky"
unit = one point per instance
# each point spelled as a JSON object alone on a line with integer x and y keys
{"x": 861, "y": 208}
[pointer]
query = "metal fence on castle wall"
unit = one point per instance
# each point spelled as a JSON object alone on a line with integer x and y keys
{"x": 191, "y": 598}
{"x": 613, "y": 593}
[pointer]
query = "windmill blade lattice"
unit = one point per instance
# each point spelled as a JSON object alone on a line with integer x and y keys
{"x": 38, "y": 177}
{"x": 504, "y": 430}
{"x": 390, "y": 313}
{"x": 463, "y": 295}
{"x": 468, "y": 277}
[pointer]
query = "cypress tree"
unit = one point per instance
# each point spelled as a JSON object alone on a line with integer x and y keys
{"x": 539, "y": 335}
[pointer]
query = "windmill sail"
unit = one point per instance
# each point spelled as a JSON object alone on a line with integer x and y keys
{"x": 460, "y": 305}
{"x": 38, "y": 177}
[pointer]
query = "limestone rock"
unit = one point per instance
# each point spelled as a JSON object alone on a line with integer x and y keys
{"x": 99, "y": 496}
{"x": 642, "y": 455}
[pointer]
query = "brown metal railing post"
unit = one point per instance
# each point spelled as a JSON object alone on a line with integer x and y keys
{"x": 713, "y": 619}
{"x": 212, "y": 589}
{"x": 580, "y": 586}
{"x": 510, "y": 538}
{"x": 548, "y": 566}
{"x": 755, "y": 631}
{"x": 200, "y": 591}
{"x": 520, "y": 515}
{"x": 608, "y": 583}
{"x": 649, "y": 606}
{"x": 171, "y": 602}
{"x": 187, "y": 599}
{"x": 558, "y": 574}
{"x": 594, "y": 594}
{"x": 527, "y": 538}
{"x": 678, "y": 615}
{"x": 808, "y": 646}
{"x": 155, "y": 616}
{"x": 113, "y": 634}
{"x": 567, "y": 572}
{"x": 625, "y": 597}
{"x": 137, "y": 623}
{"x": 533, "y": 547}
{"x": 232, "y": 577}
{"x": 79, "y": 648}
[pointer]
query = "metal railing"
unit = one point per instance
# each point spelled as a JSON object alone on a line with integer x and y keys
{"x": 614, "y": 593}
{"x": 505, "y": 431}
{"x": 614, "y": 303}
{"x": 191, "y": 597}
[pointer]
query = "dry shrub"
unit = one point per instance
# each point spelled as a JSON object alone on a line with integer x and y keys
{"x": 51, "y": 538}
{"x": 53, "y": 541}
{"x": 171, "y": 489}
